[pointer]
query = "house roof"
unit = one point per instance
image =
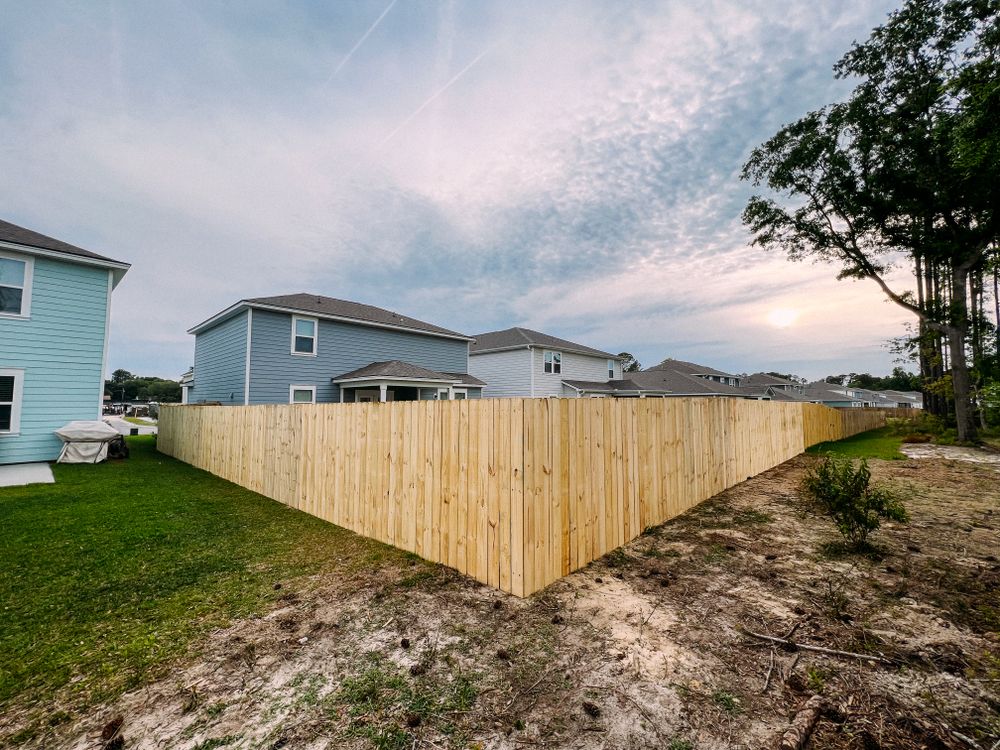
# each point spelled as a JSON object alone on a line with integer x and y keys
{"x": 45, "y": 245}
{"x": 688, "y": 368}
{"x": 661, "y": 381}
{"x": 522, "y": 338}
{"x": 762, "y": 378}
{"x": 682, "y": 384}
{"x": 397, "y": 369}
{"x": 337, "y": 309}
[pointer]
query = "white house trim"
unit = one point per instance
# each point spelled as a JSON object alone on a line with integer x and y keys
{"x": 293, "y": 388}
{"x": 107, "y": 335}
{"x": 15, "y": 410}
{"x": 29, "y": 274}
{"x": 119, "y": 267}
{"x": 315, "y": 336}
{"x": 246, "y": 371}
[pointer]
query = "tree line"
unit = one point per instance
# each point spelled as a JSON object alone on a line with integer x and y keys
{"x": 124, "y": 386}
{"x": 903, "y": 174}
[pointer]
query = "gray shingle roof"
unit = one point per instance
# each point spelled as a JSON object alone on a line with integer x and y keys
{"x": 514, "y": 338}
{"x": 762, "y": 378}
{"x": 340, "y": 308}
{"x": 688, "y": 368}
{"x": 21, "y": 236}
{"x": 401, "y": 370}
{"x": 661, "y": 381}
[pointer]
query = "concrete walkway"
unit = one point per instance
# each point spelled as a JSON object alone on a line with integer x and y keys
{"x": 16, "y": 475}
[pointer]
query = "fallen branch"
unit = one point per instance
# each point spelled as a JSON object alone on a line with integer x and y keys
{"x": 796, "y": 736}
{"x": 770, "y": 669}
{"x": 818, "y": 649}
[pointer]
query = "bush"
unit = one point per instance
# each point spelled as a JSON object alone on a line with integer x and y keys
{"x": 845, "y": 491}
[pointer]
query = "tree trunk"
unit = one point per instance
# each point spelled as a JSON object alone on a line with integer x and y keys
{"x": 965, "y": 419}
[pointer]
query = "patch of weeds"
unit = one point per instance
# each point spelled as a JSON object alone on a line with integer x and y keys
{"x": 617, "y": 558}
{"x": 420, "y": 577}
{"x": 840, "y": 550}
{"x": 215, "y": 709}
{"x": 716, "y": 553}
{"x": 751, "y": 518}
{"x": 676, "y": 743}
{"x": 380, "y": 700}
{"x": 816, "y": 678}
{"x": 727, "y": 701}
{"x": 213, "y": 742}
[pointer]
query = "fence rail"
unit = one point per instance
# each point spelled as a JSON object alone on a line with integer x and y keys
{"x": 513, "y": 492}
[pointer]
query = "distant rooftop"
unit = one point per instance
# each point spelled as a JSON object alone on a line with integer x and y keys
{"x": 520, "y": 338}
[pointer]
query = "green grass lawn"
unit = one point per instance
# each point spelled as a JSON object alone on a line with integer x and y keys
{"x": 116, "y": 569}
{"x": 880, "y": 443}
{"x": 139, "y": 420}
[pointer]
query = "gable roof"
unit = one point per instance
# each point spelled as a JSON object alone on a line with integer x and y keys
{"x": 522, "y": 338}
{"x": 334, "y": 309}
{"x": 661, "y": 381}
{"x": 762, "y": 378}
{"x": 45, "y": 245}
{"x": 397, "y": 368}
{"x": 688, "y": 368}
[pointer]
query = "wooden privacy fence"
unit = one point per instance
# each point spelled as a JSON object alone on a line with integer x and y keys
{"x": 513, "y": 492}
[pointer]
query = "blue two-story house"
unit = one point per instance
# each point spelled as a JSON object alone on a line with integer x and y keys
{"x": 55, "y": 303}
{"x": 305, "y": 348}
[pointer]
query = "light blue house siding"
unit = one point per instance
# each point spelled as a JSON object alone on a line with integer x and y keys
{"x": 341, "y": 347}
{"x": 61, "y": 349}
{"x": 220, "y": 356}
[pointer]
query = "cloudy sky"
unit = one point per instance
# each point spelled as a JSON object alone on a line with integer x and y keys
{"x": 566, "y": 166}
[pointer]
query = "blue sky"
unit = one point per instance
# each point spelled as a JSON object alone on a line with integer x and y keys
{"x": 566, "y": 166}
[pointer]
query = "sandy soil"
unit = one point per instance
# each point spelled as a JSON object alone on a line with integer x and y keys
{"x": 643, "y": 649}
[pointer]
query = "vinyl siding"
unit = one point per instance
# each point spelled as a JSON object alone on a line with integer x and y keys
{"x": 220, "y": 362}
{"x": 342, "y": 347}
{"x": 61, "y": 350}
{"x": 506, "y": 374}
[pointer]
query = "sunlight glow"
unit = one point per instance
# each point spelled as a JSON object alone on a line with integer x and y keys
{"x": 782, "y": 317}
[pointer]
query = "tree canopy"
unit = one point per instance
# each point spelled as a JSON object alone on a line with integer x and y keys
{"x": 902, "y": 173}
{"x": 141, "y": 388}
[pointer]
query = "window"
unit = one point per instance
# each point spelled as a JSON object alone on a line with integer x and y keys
{"x": 15, "y": 285}
{"x": 460, "y": 395}
{"x": 302, "y": 394}
{"x": 611, "y": 369}
{"x": 11, "y": 395}
{"x": 303, "y": 335}
{"x": 553, "y": 362}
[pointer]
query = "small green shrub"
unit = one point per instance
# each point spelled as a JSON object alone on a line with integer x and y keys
{"x": 845, "y": 491}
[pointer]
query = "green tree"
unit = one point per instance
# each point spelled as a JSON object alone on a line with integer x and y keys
{"x": 906, "y": 168}
{"x": 120, "y": 376}
{"x": 629, "y": 363}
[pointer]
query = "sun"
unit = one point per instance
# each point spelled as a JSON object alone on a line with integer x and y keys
{"x": 782, "y": 317}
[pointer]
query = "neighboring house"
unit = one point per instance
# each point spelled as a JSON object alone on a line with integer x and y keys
{"x": 905, "y": 399}
{"x": 305, "y": 348}
{"x": 55, "y": 303}
{"x": 187, "y": 383}
{"x": 772, "y": 382}
{"x": 519, "y": 362}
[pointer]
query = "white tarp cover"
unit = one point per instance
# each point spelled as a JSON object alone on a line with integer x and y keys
{"x": 87, "y": 432}
{"x": 86, "y": 442}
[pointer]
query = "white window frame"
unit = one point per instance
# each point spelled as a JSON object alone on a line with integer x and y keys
{"x": 29, "y": 273}
{"x": 293, "y": 388}
{"x": 15, "y": 410}
{"x": 611, "y": 369}
{"x": 456, "y": 391}
{"x": 555, "y": 362}
{"x": 315, "y": 338}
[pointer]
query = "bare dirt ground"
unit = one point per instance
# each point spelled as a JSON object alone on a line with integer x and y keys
{"x": 643, "y": 649}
